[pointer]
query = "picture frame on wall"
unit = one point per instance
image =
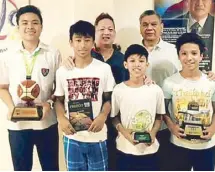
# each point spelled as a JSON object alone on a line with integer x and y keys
{"x": 178, "y": 19}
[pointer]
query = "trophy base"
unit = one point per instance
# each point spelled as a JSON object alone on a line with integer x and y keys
{"x": 142, "y": 137}
{"x": 193, "y": 131}
{"x": 27, "y": 113}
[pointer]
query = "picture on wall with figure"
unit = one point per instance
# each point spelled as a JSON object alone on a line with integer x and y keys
{"x": 8, "y": 29}
{"x": 181, "y": 16}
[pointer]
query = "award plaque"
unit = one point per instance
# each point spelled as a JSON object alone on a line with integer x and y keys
{"x": 192, "y": 122}
{"x": 27, "y": 91}
{"x": 142, "y": 137}
{"x": 192, "y": 130}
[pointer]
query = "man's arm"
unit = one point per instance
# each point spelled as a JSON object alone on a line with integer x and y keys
{"x": 99, "y": 121}
{"x": 64, "y": 123}
{"x": 7, "y": 99}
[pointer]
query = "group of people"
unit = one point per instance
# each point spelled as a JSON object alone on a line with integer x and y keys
{"x": 156, "y": 81}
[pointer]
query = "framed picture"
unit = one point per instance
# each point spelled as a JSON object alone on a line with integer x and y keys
{"x": 181, "y": 16}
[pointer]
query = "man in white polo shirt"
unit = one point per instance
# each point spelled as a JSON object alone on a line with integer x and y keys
{"x": 163, "y": 62}
{"x": 31, "y": 60}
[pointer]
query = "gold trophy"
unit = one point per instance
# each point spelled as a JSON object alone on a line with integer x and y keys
{"x": 192, "y": 122}
{"x": 28, "y": 90}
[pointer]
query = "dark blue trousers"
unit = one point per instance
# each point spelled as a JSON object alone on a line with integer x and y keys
{"x": 199, "y": 160}
{"x": 46, "y": 142}
{"x": 128, "y": 162}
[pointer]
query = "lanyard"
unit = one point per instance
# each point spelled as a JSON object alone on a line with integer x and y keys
{"x": 29, "y": 66}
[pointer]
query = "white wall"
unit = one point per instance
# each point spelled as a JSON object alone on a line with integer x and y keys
{"x": 58, "y": 16}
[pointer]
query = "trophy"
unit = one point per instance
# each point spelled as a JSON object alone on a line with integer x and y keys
{"x": 140, "y": 124}
{"x": 192, "y": 122}
{"x": 27, "y": 91}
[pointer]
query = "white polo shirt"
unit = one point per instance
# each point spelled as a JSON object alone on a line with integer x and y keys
{"x": 163, "y": 62}
{"x": 43, "y": 73}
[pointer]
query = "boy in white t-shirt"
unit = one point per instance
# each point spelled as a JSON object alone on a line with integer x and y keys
{"x": 137, "y": 108}
{"x": 192, "y": 122}
{"x": 93, "y": 80}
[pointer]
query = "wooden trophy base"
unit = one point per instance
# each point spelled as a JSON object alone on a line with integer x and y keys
{"x": 27, "y": 113}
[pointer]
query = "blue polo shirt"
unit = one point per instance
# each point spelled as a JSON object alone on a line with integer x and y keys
{"x": 116, "y": 63}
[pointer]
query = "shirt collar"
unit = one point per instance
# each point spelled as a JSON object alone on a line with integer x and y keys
{"x": 41, "y": 45}
{"x": 158, "y": 46}
{"x": 192, "y": 21}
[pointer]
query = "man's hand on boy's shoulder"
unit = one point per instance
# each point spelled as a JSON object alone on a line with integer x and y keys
{"x": 148, "y": 81}
{"x": 68, "y": 62}
{"x": 210, "y": 74}
{"x": 98, "y": 123}
{"x": 65, "y": 126}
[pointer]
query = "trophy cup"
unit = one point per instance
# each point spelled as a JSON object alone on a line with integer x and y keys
{"x": 28, "y": 90}
{"x": 192, "y": 123}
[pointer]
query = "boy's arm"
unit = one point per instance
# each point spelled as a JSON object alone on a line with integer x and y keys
{"x": 99, "y": 121}
{"x": 173, "y": 127}
{"x": 7, "y": 99}
{"x": 156, "y": 126}
{"x": 127, "y": 133}
{"x": 63, "y": 121}
{"x": 209, "y": 131}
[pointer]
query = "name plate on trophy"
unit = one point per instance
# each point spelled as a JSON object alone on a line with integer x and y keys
{"x": 142, "y": 137}
{"x": 193, "y": 131}
{"x": 21, "y": 113}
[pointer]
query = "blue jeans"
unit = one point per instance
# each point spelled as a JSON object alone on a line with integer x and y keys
{"x": 81, "y": 156}
{"x": 46, "y": 142}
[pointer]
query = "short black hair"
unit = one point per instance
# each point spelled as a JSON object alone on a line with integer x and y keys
{"x": 28, "y": 9}
{"x": 136, "y": 49}
{"x": 103, "y": 16}
{"x": 190, "y": 38}
{"x": 149, "y": 13}
{"x": 82, "y": 28}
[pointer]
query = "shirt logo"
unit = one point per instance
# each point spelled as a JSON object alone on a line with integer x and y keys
{"x": 45, "y": 71}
